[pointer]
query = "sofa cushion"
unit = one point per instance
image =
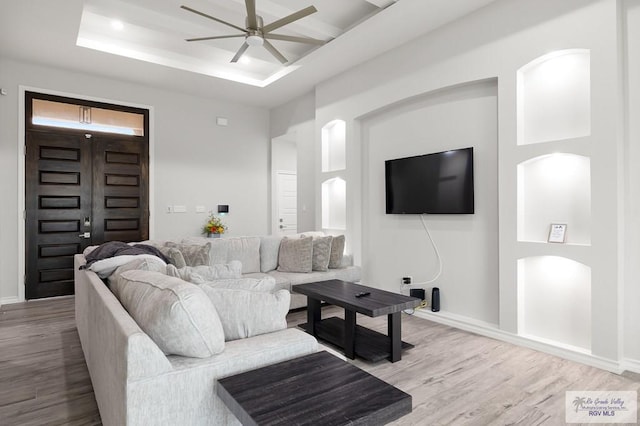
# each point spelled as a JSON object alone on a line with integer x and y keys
{"x": 246, "y": 313}
{"x": 176, "y": 315}
{"x": 337, "y": 251}
{"x": 269, "y": 249}
{"x": 321, "y": 253}
{"x": 296, "y": 255}
{"x": 194, "y": 254}
{"x": 201, "y": 274}
{"x": 175, "y": 256}
{"x": 141, "y": 264}
{"x": 247, "y": 251}
{"x": 219, "y": 248}
{"x": 265, "y": 284}
{"x": 105, "y": 267}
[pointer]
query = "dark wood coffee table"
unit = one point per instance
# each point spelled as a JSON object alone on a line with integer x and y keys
{"x": 317, "y": 389}
{"x": 352, "y": 338}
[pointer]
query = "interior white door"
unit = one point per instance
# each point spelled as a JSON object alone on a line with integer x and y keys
{"x": 287, "y": 188}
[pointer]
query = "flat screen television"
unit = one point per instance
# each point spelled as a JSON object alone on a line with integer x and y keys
{"x": 438, "y": 183}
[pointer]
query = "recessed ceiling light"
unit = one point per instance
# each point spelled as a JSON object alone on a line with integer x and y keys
{"x": 117, "y": 25}
{"x": 245, "y": 60}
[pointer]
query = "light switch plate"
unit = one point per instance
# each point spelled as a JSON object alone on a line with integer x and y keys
{"x": 179, "y": 209}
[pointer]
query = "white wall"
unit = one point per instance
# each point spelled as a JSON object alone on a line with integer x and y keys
{"x": 196, "y": 162}
{"x": 493, "y": 44}
{"x": 632, "y": 193}
{"x": 296, "y": 121}
{"x": 457, "y": 117}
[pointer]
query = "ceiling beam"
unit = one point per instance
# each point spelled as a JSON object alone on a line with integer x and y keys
{"x": 381, "y": 3}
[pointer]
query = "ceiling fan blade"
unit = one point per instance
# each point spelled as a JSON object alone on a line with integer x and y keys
{"x": 252, "y": 19}
{"x": 240, "y": 52}
{"x": 211, "y": 17}
{"x": 274, "y": 52}
{"x": 293, "y": 38}
{"x": 215, "y": 37}
{"x": 289, "y": 19}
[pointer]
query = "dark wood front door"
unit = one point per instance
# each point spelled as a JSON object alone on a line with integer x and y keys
{"x": 81, "y": 188}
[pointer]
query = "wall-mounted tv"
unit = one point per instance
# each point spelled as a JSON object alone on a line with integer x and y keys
{"x": 438, "y": 183}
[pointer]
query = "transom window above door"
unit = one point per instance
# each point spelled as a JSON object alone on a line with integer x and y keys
{"x": 73, "y": 116}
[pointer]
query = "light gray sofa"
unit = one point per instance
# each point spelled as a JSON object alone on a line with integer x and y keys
{"x": 259, "y": 258}
{"x": 135, "y": 383}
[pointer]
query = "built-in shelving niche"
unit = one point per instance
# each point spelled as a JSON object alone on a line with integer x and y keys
{"x": 334, "y": 187}
{"x": 555, "y": 188}
{"x": 333, "y": 146}
{"x": 554, "y": 297}
{"x": 334, "y": 208}
{"x": 554, "y": 97}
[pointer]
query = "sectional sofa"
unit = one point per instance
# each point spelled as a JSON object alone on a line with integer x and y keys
{"x": 137, "y": 377}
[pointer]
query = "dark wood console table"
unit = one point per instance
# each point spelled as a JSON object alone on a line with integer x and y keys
{"x": 352, "y": 338}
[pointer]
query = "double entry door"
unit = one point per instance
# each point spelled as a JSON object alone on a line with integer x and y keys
{"x": 82, "y": 188}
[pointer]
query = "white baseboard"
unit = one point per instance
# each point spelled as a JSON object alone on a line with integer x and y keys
{"x": 491, "y": 330}
{"x": 632, "y": 365}
{"x": 9, "y": 300}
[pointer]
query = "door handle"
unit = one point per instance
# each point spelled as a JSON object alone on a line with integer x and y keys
{"x": 85, "y": 235}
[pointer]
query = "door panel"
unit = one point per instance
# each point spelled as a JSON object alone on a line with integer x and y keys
{"x": 287, "y": 203}
{"x": 82, "y": 187}
{"x": 120, "y": 201}
{"x": 58, "y": 197}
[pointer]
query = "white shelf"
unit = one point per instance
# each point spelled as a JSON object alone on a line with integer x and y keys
{"x": 554, "y": 300}
{"x": 334, "y": 204}
{"x": 334, "y": 146}
{"x": 554, "y": 97}
{"x": 555, "y": 188}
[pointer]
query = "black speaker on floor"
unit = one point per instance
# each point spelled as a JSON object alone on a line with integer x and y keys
{"x": 417, "y": 292}
{"x": 435, "y": 299}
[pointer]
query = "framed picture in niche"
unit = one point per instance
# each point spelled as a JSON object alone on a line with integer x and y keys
{"x": 557, "y": 232}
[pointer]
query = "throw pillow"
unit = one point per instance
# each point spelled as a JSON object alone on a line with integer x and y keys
{"x": 269, "y": 249}
{"x": 176, "y": 315}
{"x": 249, "y": 313}
{"x": 194, "y": 255}
{"x": 202, "y": 274}
{"x": 266, "y": 284}
{"x": 337, "y": 251}
{"x": 321, "y": 253}
{"x": 105, "y": 267}
{"x": 247, "y": 251}
{"x": 141, "y": 264}
{"x": 219, "y": 248}
{"x": 296, "y": 255}
{"x": 175, "y": 256}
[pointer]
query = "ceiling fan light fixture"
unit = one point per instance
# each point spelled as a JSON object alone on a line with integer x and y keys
{"x": 254, "y": 40}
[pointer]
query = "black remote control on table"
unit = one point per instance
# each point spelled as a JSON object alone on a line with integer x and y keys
{"x": 362, "y": 294}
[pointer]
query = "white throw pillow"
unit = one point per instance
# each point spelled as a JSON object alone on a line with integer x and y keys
{"x": 247, "y": 251}
{"x": 202, "y": 274}
{"x": 265, "y": 284}
{"x": 296, "y": 255}
{"x": 246, "y": 313}
{"x": 337, "y": 251}
{"x": 105, "y": 267}
{"x": 139, "y": 264}
{"x": 176, "y": 315}
{"x": 269, "y": 249}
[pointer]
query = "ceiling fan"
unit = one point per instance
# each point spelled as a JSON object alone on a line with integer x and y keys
{"x": 258, "y": 34}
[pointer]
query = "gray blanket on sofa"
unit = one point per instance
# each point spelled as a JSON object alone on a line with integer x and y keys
{"x": 118, "y": 248}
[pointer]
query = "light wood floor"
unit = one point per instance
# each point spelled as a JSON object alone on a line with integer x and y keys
{"x": 454, "y": 377}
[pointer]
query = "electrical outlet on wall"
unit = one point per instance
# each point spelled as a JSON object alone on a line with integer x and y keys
{"x": 407, "y": 280}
